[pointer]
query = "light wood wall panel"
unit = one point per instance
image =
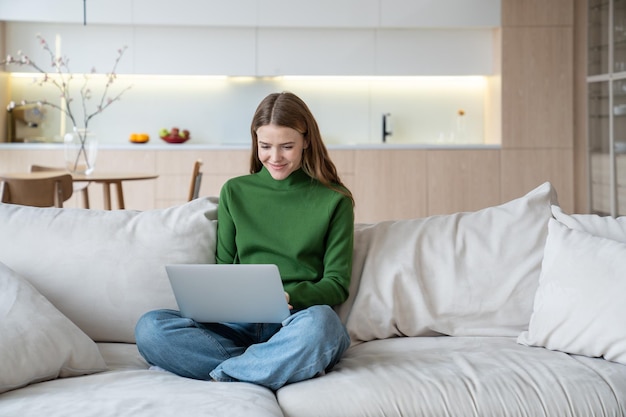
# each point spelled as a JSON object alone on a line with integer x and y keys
{"x": 523, "y": 170}
{"x": 537, "y": 87}
{"x": 390, "y": 185}
{"x": 537, "y": 12}
{"x": 462, "y": 180}
{"x": 581, "y": 157}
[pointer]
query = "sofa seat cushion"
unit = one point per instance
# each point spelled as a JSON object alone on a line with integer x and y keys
{"x": 104, "y": 269}
{"x": 129, "y": 389}
{"x": 459, "y": 376}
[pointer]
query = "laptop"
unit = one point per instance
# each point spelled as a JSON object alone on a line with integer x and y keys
{"x": 232, "y": 293}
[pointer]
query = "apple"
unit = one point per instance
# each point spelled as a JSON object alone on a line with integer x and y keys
{"x": 163, "y": 132}
{"x": 174, "y": 131}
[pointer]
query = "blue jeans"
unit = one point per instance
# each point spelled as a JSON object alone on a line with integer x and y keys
{"x": 306, "y": 344}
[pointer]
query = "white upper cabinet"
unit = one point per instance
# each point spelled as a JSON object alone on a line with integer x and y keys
{"x": 261, "y": 13}
{"x": 315, "y": 52}
{"x": 263, "y": 37}
{"x": 87, "y": 47}
{"x": 440, "y": 13}
{"x": 67, "y": 11}
{"x": 434, "y": 52}
{"x": 194, "y": 51}
{"x": 233, "y": 13}
{"x": 319, "y": 13}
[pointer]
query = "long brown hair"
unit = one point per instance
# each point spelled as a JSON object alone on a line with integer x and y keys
{"x": 288, "y": 110}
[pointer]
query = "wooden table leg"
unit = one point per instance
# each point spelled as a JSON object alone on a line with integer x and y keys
{"x": 106, "y": 188}
{"x": 120, "y": 195}
{"x": 86, "y": 197}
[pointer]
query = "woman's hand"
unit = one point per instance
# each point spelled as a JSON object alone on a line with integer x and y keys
{"x": 287, "y": 297}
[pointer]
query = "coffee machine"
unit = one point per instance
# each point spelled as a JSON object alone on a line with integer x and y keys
{"x": 24, "y": 122}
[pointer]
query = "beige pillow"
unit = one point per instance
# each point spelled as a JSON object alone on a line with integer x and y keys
{"x": 579, "y": 306}
{"x": 37, "y": 342}
{"x": 464, "y": 274}
{"x": 104, "y": 269}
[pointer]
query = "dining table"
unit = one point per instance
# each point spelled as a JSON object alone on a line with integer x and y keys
{"x": 106, "y": 178}
{"x": 116, "y": 178}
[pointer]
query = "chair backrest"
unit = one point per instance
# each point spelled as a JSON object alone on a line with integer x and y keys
{"x": 43, "y": 168}
{"x": 196, "y": 180}
{"x": 36, "y": 189}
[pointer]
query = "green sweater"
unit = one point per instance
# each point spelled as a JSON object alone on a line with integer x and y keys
{"x": 300, "y": 225}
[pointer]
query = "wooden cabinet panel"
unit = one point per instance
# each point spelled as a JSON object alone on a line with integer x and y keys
{"x": 175, "y": 168}
{"x": 464, "y": 180}
{"x": 390, "y": 185}
{"x": 537, "y": 87}
{"x": 523, "y": 170}
{"x": 537, "y": 12}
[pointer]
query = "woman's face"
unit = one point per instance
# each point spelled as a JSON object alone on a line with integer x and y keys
{"x": 280, "y": 149}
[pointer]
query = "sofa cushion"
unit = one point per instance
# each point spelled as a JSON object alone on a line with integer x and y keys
{"x": 104, "y": 269}
{"x": 464, "y": 274}
{"x": 459, "y": 376}
{"x": 579, "y": 306}
{"x": 37, "y": 342}
{"x": 601, "y": 226}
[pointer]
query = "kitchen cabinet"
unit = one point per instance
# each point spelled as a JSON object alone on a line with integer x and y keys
{"x": 387, "y": 184}
{"x": 194, "y": 51}
{"x": 260, "y": 38}
{"x": 260, "y": 13}
{"x": 182, "y": 50}
{"x": 434, "y": 51}
{"x": 315, "y": 52}
{"x": 606, "y": 84}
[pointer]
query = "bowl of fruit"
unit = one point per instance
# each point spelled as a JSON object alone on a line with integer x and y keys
{"x": 174, "y": 135}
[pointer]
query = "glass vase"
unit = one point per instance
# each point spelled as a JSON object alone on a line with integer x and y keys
{"x": 81, "y": 149}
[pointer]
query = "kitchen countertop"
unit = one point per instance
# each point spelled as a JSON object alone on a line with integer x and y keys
{"x": 219, "y": 147}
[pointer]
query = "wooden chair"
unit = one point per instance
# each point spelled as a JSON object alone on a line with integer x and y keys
{"x": 196, "y": 180}
{"x": 33, "y": 189}
{"x": 78, "y": 186}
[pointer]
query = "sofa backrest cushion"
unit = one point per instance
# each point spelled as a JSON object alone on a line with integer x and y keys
{"x": 463, "y": 274}
{"x": 104, "y": 269}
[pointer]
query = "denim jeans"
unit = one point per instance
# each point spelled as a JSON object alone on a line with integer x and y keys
{"x": 306, "y": 344}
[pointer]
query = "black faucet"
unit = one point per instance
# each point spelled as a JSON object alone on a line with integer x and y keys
{"x": 386, "y": 126}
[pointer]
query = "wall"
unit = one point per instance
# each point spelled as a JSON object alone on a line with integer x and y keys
{"x": 218, "y": 110}
{"x": 538, "y": 97}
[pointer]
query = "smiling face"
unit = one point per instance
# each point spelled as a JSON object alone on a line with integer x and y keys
{"x": 280, "y": 149}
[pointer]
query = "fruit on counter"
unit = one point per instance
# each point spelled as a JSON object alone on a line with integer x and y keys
{"x": 139, "y": 137}
{"x": 174, "y": 135}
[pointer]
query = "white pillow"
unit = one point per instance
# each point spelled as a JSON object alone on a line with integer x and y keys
{"x": 104, "y": 269}
{"x": 602, "y": 226}
{"x": 37, "y": 342}
{"x": 464, "y": 274}
{"x": 579, "y": 306}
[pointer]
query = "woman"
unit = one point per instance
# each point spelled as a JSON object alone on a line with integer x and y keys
{"x": 292, "y": 211}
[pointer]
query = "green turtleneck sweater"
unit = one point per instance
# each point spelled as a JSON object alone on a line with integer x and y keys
{"x": 300, "y": 225}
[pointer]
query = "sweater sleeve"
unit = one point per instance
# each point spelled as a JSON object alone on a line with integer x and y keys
{"x": 226, "y": 249}
{"x": 333, "y": 287}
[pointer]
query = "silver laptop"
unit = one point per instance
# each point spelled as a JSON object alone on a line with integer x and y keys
{"x": 213, "y": 293}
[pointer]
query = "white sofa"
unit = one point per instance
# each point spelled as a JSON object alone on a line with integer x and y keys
{"x": 513, "y": 310}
